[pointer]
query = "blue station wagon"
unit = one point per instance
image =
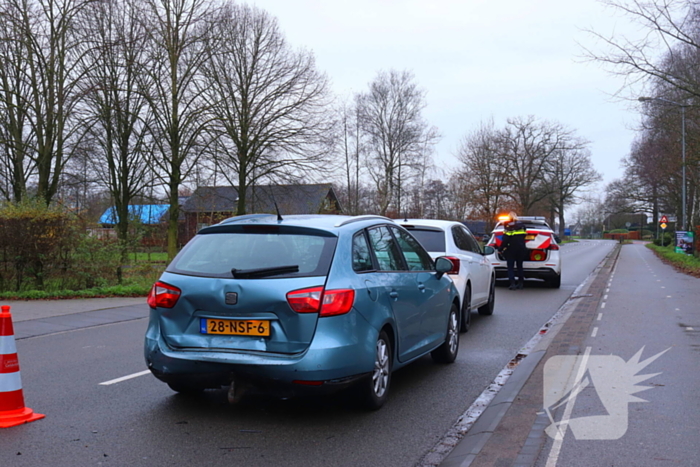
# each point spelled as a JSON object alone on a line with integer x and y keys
{"x": 304, "y": 304}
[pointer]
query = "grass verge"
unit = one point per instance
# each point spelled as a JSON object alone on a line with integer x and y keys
{"x": 682, "y": 262}
{"x": 96, "y": 292}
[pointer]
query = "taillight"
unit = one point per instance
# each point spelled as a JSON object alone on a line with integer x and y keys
{"x": 305, "y": 300}
{"x": 455, "y": 265}
{"x": 553, "y": 246}
{"x": 163, "y": 295}
{"x": 337, "y": 302}
{"x": 324, "y": 302}
{"x": 538, "y": 255}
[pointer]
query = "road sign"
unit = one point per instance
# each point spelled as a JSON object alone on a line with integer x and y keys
{"x": 663, "y": 225}
{"x": 663, "y": 220}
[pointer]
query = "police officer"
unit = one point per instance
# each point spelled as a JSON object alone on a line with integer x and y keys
{"x": 514, "y": 250}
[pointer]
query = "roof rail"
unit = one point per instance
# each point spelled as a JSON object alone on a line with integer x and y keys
{"x": 531, "y": 218}
{"x": 361, "y": 218}
{"x": 243, "y": 217}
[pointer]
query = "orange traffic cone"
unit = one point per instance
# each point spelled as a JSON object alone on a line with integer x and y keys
{"x": 12, "y": 409}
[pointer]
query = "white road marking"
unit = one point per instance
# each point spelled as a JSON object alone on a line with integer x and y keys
{"x": 564, "y": 423}
{"x": 600, "y": 316}
{"x": 689, "y": 329}
{"x": 595, "y": 332}
{"x": 124, "y": 378}
{"x": 602, "y": 305}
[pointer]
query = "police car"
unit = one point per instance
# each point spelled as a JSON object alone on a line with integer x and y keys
{"x": 544, "y": 260}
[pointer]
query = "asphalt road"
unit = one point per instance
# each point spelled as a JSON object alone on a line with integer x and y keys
{"x": 139, "y": 421}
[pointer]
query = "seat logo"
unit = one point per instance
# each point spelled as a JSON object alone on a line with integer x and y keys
{"x": 612, "y": 379}
{"x": 231, "y": 298}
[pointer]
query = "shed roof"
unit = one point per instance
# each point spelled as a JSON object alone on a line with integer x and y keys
{"x": 291, "y": 199}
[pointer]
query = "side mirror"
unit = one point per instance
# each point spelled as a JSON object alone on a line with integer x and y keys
{"x": 442, "y": 265}
{"x": 557, "y": 239}
{"x": 489, "y": 250}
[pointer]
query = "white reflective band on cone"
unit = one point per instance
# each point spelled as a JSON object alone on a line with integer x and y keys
{"x": 7, "y": 345}
{"x": 10, "y": 382}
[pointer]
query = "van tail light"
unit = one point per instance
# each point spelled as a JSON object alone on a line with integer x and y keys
{"x": 163, "y": 295}
{"x": 455, "y": 265}
{"x": 323, "y": 302}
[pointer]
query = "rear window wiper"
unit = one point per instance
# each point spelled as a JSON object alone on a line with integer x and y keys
{"x": 263, "y": 272}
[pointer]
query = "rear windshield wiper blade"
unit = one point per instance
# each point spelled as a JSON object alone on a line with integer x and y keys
{"x": 263, "y": 272}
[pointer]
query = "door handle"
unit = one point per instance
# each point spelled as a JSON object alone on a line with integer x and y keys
{"x": 394, "y": 294}
{"x": 421, "y": 287}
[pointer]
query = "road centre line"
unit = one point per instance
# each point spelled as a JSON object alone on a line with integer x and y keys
{"x": 600, "y": 316}
{"x": 124, "y": 378}
{"x": 602, "y": 305}
{"x": 595, "y": 332}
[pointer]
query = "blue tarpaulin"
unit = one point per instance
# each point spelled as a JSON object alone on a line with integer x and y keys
{"x": 145, "y": 213}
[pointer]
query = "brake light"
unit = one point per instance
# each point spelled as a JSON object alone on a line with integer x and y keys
{"x": 324, "y": 302}
{"x": 538, "y": 255}
{"x": 455, "y": 265}
{"x": 337, "y": 302}
{"x": 305, "y": 300}
{"x": 163, "y": 295}
{"x": 553, "y": 246}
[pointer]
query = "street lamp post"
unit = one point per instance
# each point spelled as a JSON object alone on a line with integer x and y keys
{"x": 682, "y": 106}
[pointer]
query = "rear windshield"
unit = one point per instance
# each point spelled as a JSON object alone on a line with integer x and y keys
{"x": 432, "y": 240}
{"x": 217, "y": 254}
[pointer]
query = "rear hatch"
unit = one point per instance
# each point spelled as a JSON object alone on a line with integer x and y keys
{"x": 234, "y": 281}
{"x": 538, "y": 242}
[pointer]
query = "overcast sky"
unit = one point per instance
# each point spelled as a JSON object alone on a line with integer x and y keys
{"x": 477, "y": 60}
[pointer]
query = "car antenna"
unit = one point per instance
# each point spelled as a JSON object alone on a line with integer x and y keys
{"x": 277, "y": 209}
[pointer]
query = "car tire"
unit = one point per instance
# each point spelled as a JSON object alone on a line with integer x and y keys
{"x": 447, "y": 352}
{"x": 375, "y": 389}
{"x": 185, "y": 388}
{"x": 488, "y": 307}
{"x": 556, "y": 282}
{"x": 466, "y": 318}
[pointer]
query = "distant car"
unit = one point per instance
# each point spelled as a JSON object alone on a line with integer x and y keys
{"x": 544, "y": 261}
{"x": 472, "y": 271}
{"x": 303, "y": 305}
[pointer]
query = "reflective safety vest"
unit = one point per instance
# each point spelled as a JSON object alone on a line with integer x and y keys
{"x": 516, "y": 232}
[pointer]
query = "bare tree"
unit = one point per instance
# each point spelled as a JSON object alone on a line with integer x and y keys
{"x": 391, "y": 116}
{"x": 670, "y": 29}
{"x": 16, "y": 137}
{"x": 350, "y": 146}
{"x": 483, "y": 171}
{"x": 268, "y": 101}
{"x": 42, "y": 38}
{"x": 116, "y": 113}
{"x": 528, "y": 146}
{"x": 170, "y": 83}
{"x": 569, "y": 171}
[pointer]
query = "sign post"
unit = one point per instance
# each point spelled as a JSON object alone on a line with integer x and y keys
{"x": 662, "y": 224}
